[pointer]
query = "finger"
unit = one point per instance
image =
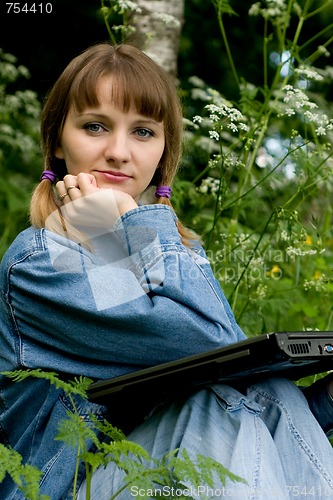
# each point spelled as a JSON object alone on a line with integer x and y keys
{"x": 70, "y": 180}
{"x": 62, "y": 191}
{"x": 87, "y": 183}
{"x": 72, "y": 188}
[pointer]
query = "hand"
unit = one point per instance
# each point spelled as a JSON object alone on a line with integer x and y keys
{"x": 85, "y": 184}
{"x": 86, "y": 205}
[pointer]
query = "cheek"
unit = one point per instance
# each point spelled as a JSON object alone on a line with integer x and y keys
{"x": 75, "y": 154}
{"x": 157, "y": 154}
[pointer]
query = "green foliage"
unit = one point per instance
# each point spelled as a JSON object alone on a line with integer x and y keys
{"x": 256, "y": 177}
{"x": 77, "y": 386}
{"x": 116, "y": 14}
{"x": 174, "y": 470}
{"x": 25, "y": 476}
{"x": 19, "y": 149}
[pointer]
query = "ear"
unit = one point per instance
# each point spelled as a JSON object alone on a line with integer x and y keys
{"x": 59, "y": 153}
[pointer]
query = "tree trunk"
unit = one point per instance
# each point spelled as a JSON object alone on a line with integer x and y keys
{"x": 158, "y": 28}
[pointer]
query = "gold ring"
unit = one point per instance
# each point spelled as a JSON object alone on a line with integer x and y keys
{"x": 63, "y": 196}
{"x": 70, "y": 187}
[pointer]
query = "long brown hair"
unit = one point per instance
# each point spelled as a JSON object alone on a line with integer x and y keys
{"x": 139, "y": 82}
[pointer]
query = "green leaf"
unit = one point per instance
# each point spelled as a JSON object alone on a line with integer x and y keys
{"x": 25, "y": 476}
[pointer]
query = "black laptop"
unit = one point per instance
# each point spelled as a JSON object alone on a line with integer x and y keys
{"x": 293, "y": 355}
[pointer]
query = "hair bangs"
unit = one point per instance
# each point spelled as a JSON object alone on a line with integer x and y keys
{"x": 129, "y": 88}
{"x": 83, "y": 92}
{"x": 133, "y": 89}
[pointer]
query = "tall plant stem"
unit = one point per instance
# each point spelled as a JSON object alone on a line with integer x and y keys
{"x": 329, "y": 322}
{"x": 226, "y": 43}
{"x": 265, "y": 55}
{"x": 217, "y": 199}
{"x": 105, "y": 12}
{"x": 301, "y": 21}
{"x": 249, "y": 166}
{"x": 77, "y": 464}
{"x": 233, "y": 297}
{"x": 264, "y": 178}
{"x": 318, "y": 53}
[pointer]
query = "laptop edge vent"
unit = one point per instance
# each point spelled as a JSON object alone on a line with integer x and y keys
{"x": 298, "y": 348}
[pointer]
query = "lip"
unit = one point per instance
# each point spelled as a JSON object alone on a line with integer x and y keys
{"x": 114, "y": 176}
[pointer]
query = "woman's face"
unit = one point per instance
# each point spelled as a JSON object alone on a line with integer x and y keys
{"x": 121, "y": 150}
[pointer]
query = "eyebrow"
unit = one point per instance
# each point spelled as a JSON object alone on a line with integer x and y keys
{"x": 141, "y": 119}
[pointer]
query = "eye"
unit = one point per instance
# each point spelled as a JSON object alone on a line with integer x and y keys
{"x": 144, "y": 133}
{"x": 94, "y": 127}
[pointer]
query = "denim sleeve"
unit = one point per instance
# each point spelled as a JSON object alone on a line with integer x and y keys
{"x": 141, "y": 299}
{"x": 321, "y": 403}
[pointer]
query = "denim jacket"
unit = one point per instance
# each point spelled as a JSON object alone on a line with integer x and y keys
{"x": 135, "y": 296}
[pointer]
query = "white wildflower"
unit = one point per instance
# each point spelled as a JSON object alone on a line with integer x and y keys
{"x": 290, "y": 111}
{"x": 13, "y": 102}
{"x": 210, "y": 184}
{"x": 200, "y": 94}
{"x": 297, "y": 251}
{"x": 8, "y": 71}
{"x": 214, "y": 118}
{"x": 197, "y": 119}
{"x": 321, "y": 131}
{"x": 203, "y": 188}
{"x": 214, "y": 162}
{"x": 243, "y": 238}
{"x": 233, "y": 127}
{"x": 214, "y": 135}
{"x": 309, "y": 73}
{"x": 125, "y": 5}
{"x": 257, "y": 261}
{"x": 167, "y": 19}
{"x": 275, "y": 8}
{"x": 261, "y": 291}
{"x": 281, "y": 4}
{"x": 214, "y": 109}
{"x": 226, "y": 112}
{"x": 232, "y": 160}
{"x": 284, "y": 235}
{"x": 298, "y": 98}
{"x": 317, "y": 284}
{"x": 23, "y": 71}
{"x": 6, "y": 129}
{"x": 255, "y": 9}
{"x": 197, "y": 82}
{"x": 244, "y": 127}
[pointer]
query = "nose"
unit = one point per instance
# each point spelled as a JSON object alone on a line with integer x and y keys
{"x": 117, "y": 148}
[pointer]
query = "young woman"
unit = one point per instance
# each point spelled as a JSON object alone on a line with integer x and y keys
{"x": 105, "y": 282}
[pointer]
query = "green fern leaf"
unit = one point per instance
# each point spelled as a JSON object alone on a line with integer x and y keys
{"x": 77, "y": 386}
{"x": 26, "y": 477}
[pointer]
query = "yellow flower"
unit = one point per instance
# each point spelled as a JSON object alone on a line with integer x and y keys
{"x": 308, "y": 240}
{"x": 276, "y": 270}
{"x": 317, "y": 275}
